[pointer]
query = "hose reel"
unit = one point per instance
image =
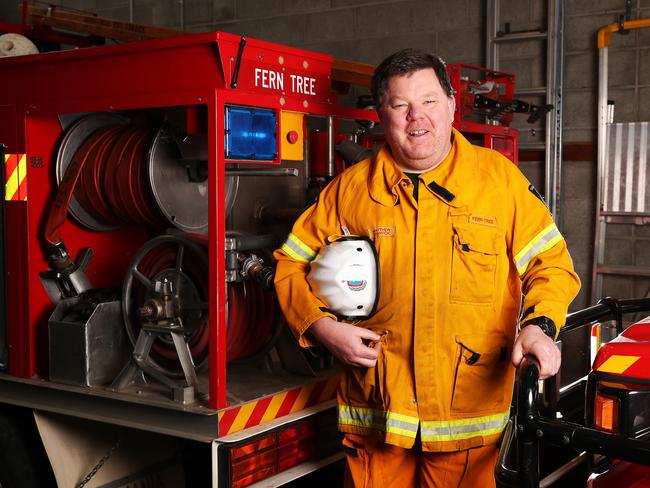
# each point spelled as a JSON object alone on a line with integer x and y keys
{"x": 165, "y": 312}
{"x": 134, "y": 174}
{"x": 166, "y": 288}
{"x": 114, "y": 171}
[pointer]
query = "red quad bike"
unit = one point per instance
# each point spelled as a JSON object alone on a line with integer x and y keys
{"x": 546, "y": 444}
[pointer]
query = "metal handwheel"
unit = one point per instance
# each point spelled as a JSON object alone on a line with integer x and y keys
{"x": 165, "y": 293}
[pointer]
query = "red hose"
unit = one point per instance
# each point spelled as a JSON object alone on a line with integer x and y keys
{"x": 265, "y": 324}
{"x": 250, "y": 319}
{"x": 259, "y": 335}
{"x": 237, "y": 329}
{"x": 233, "y": 312}
{"x": 108, "y": 175}
{"x": 155, "y": 262}
{"x": 59, "y": 209}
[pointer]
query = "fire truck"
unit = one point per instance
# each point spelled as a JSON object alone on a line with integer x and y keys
{"x": 146, "y": 185}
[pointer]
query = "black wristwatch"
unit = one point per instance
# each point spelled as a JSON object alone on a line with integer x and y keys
{"x": 544, "y": 323}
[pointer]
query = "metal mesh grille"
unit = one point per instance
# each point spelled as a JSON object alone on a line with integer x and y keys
{"x": 626, "y": 174}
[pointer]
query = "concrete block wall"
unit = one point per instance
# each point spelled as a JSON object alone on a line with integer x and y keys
{"x": 368, "y": 30}
{"x": 628, "y": 82}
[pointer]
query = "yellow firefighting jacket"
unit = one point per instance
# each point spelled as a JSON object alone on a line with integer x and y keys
{"x": 453, "y": 268}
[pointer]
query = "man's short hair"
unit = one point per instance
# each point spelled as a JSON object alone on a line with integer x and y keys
{"x": 404, "y": 62}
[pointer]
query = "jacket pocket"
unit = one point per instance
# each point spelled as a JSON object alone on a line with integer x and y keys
{"x": 474, "y": 265}
{"x": 368, "y": 385}
{"x": 482, "y": 372}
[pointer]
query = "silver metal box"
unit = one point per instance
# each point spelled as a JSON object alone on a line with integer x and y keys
{"x": 88, "y": 343}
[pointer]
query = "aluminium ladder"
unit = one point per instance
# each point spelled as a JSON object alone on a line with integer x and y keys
{"x": 554, "y": 35}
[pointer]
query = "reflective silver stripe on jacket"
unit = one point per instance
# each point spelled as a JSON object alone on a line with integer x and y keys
{"x": 390, "y": 422}
{"x": 543, "y": 241}
{"x": 297, "y": 249}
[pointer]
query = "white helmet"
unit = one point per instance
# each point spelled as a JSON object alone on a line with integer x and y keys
{"x": 345, "y": 276}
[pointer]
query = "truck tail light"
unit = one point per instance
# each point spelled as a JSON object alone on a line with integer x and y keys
{"x": 272, "y": 454}
{"x": 296, "y": 444}
{"x": 253, "y": 461}
{"x": 606, "y": 412}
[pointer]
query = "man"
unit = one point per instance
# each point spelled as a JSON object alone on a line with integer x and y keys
{"x": 460, "y": 235}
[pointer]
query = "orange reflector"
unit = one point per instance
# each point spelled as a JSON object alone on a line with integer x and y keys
{"x": 606, "y": 413}
{"x": 253, "y": 461}
{"x": 272, "y": 454}
{"x": 296, "y": 445}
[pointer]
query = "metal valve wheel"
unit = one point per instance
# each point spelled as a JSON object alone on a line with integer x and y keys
{"x": 165, "y": 290}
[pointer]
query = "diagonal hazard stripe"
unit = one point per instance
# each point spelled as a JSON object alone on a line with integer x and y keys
{"x": 11, "y": 176}
{"x": 15, "y": 176}
{"x": 22, "y": 177}
{"x": 617, "y": 364}
{"x": 303, "y": 398}
{"x": 274, "y": 406}
{"x": 288, "y": 402}
{"x": 242, "y": 417}
{"x": 11, "y": 161}
{"x": 11, "y": 187}
{"x": 258, "y": 412}
{"x": 226, "y": 419}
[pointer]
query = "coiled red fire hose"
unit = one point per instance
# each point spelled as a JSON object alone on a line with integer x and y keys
{"x": 108, "y": 176}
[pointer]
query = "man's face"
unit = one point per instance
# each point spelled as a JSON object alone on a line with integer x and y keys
{"x": 416, "y": 115}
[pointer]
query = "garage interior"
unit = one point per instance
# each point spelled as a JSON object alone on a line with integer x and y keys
{"x": 551, "y": 48}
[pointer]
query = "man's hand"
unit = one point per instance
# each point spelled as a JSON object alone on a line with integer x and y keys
{"x": 532, "y": 340}
{"x": 345, "y": 341}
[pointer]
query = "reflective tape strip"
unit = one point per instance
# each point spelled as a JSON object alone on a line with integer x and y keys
{"x": 11, "y": 177}
{"x": 297, "y": 249}
{"x": 273, "y": 407}
{"x": 22, "y": 177}
{"x": 543, "y": 241}
{"x": 389, "y": 422}
{"x": 617, "y": 364}
{"x": 453, "y": 430}
{"x": 15, "y": 176}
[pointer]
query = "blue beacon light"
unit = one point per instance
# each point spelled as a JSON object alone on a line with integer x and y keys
{"x": 251, "y": 134}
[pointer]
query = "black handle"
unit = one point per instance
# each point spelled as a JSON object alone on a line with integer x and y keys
{"x": 240, "y": 54}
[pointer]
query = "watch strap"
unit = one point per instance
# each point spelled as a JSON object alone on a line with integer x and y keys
{"x": 544, "y": 323}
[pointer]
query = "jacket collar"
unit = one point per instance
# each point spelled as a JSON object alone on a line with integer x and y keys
{"x": 384, "y": 177}
{"x": 445, "y": 181}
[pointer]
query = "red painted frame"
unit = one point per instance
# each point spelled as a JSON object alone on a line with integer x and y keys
{"x": 184, "y": 71}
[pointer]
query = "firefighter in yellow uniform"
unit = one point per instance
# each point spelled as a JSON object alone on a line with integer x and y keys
{"x": 461, "y": 236}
